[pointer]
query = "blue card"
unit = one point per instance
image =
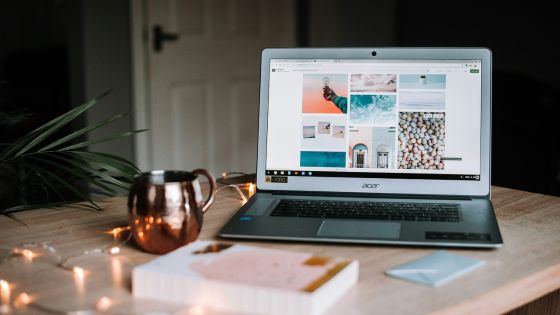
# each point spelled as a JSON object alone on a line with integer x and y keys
{"x": 435, "y": 269}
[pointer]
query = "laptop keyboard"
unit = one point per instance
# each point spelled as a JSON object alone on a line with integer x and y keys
{"x": 392, "y": 211}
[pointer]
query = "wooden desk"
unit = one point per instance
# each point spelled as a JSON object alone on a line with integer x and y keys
{"x": 526, "y": 268}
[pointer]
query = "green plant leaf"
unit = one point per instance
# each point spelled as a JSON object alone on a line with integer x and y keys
{"x": 41, "y": 133}
{"x": 47, "y": 185}
{"x": 52, "y": 176}
{"x": 109, "y": 159}
{"x": 91, "y": 171}
{"x": 81, "y": 132}
{"x": 95, "y": 173}
{"x": 80, "y": 170}
{"x": 110, "y": 162}
{"x": 92, "y": 142}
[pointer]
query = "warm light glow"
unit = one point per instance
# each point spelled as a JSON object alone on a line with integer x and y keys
{"x": 243, "y": 200}
{"x": 78, "y": 272}
{"x": 4, "y": 285}
{"x": 5, "y": 293}
{"x": 103, "y": 304}
{"x": 251, "y": 189}
{"x": 22, "y": 300}
{"x": 196, "y": 310}
{"x": 159, "y": 220}
{"x": 114, "y": 250}
{"x": 140, "y": 234}
{"x": 136, "y": 221}
{"x": 79, "y": 279}
{"x": 151, "y": 219}
{"x": 5, "y": 309}
{"x": 117, "y": 231}
{"x": 117, "y": 272}
{"x": 148, "y": 226}
{"x": 27, "y": 254}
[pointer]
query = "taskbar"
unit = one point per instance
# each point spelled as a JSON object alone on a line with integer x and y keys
{"x": 372, "y": 175}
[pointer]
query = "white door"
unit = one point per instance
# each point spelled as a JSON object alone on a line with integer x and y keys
{"x": 204, "y": 87}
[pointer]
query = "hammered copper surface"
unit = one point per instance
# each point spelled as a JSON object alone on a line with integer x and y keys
{"x": 166, "y": 209}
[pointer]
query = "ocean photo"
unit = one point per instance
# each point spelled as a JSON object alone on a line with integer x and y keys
{"x": 378, "y": 110}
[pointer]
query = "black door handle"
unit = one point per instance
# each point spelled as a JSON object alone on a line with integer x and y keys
{"x": 160, "y": 36}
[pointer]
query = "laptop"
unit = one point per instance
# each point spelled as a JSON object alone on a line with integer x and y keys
{"x": 373, "y": 146}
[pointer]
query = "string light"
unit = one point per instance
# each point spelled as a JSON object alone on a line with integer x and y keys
{"x": 236, "y": 188}
{"x": 251, "y": 189}
{"x": 196, "y": 310}
{"x": 117, "y": 231}
{"x": 78, "y": 271}
{"x": 103, "y": 304}
{"x": 22, "y": 300}
{"x": 5, "y": 296}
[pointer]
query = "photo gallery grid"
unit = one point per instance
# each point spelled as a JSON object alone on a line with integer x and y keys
{"x": 379, "y": 121}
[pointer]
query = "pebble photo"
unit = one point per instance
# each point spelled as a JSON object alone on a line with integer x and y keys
{"x": 421, "y": 140}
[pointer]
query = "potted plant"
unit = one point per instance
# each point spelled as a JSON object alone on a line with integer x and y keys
{"x": 42, "y": 169}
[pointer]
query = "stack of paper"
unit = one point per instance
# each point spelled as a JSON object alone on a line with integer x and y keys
{"x": 245, "y": 279}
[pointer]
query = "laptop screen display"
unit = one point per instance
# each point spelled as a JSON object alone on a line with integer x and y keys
{"x": 374, "y": 118}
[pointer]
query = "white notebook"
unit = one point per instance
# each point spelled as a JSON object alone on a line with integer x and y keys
{"x": 245, "y": 279}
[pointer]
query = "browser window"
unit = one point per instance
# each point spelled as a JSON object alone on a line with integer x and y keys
{"x": 374, "y": 118}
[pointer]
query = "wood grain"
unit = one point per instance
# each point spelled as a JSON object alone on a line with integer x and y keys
{"x": 526, "y": 268}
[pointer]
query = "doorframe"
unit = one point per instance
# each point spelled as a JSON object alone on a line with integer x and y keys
{"x": 140, "y": 83}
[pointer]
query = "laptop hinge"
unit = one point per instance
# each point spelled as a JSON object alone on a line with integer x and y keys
{"x": 367, "y": 195}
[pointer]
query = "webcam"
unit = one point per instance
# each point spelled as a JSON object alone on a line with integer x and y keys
{"x": 374, "y": 53}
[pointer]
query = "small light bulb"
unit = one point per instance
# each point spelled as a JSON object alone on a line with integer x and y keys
{"x": 27, "y": 254}
{"x": 159, "y": 220}
{"x": 22, "y": 300}
{"x": 4, "y": 285}
{"x": 196, "y": 310}
{"x": 79, "y": 272}
{"x": 103, "y": 304}
{"x": 224, "y": 174}
{"x": 4, "y": 296}
{"x": 114, "y": 250}
{"x": 251, "y": 189}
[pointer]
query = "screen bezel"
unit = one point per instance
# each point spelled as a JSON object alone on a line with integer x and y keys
{"x": 380, "y": 185}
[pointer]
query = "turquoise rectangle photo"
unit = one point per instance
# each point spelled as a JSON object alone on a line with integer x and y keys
{"x": 322, "y": 159}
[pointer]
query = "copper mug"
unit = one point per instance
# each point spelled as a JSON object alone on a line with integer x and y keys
{"x": 165, "y": 208}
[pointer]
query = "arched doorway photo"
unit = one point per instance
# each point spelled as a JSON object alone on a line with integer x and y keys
{"x": 360, "y": 156}
{"x": 382, "y": 156}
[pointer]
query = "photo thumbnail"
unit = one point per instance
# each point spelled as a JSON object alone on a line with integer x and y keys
{"x": 325, "y": 94}
{"x": 379, "y": 110}
{"x": 373, "y": 83}
{"x": 421, "y": 140}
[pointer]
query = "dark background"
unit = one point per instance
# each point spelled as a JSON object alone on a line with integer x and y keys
{"x": 45, "y": 56}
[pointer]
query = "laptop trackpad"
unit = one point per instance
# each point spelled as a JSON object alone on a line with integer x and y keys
{"x": 359, "y": 229}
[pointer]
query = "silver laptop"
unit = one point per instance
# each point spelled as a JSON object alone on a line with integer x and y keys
{"x": 374, "y": 146}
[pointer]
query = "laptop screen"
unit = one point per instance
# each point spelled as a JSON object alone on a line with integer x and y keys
{"x": 418, "y": 119}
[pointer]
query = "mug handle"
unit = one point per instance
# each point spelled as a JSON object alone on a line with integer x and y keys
{"x": 212, "y": 181}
